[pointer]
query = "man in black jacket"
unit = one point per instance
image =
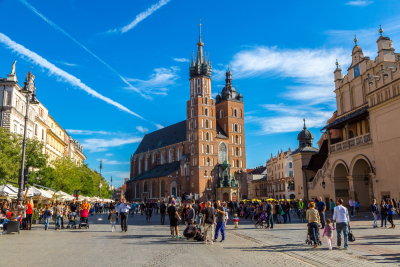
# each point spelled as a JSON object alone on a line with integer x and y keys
{"x": 163, "y": 208}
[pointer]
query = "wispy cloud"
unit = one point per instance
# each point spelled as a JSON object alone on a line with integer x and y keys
{"x": 67, "y": 64}
{"x": 310, "y": 69}
{"x": 142, "y": 129}
{"x": 140, "y": 17}
{"x": 109, "y": 154}
{"x": 121, "y": 174}
{"x": 113, "y": 162}
{"x": 159, "y": 81}
{"x": 86, "y": 132}
{"x": 52, "y": 24}
{"x": 181, "y": 59}
{"x": 359, "y": 3}
{"x": 286, "y": 120}
{"x": 99, "y": 145}
{"x": 159, "y": 126}
{"x": 53, "y": 70}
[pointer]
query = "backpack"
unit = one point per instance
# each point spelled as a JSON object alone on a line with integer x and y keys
{"x": 351, "y": 236}
{"x": 162, "y": 208}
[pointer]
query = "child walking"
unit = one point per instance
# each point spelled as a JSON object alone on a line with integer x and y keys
{"x": 113, "y": 219}
{"x": 236, "y": 221}
{"x": 328, "y": 232}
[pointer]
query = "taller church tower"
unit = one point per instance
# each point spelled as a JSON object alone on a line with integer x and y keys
{"x": 201, "y": 124}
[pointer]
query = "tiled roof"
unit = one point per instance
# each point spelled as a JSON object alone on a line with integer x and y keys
{"x": 159, "y": 171}
{"x": 221, "y": 133}
{"x": 355, "y": 114}
{"x": 258, "y": 170}
{"x": 249, "y": 170}
{"x": 169, "y": 135}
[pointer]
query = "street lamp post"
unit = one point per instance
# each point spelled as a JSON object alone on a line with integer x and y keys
{"x": 27, "y": 90}
{"x": 101, "y": 167}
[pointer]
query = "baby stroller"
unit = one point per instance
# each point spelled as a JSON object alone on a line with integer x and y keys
{"x": 84, "y": 222}
{"x": 262, "y": 221}
{"x": 309, "y": 240}
{"x": 72, "y": 220}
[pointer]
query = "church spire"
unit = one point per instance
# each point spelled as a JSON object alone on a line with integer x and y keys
{"x": 200, "y": 44}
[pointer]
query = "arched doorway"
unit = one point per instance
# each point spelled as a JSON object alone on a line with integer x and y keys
{"x": 225, "y": 197}
{"x": 173, "y": 191}
{"x": 341, "y": 182}
{"x": 361, "y": 190}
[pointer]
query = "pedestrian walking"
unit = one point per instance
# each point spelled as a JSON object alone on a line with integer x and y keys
{"x": 123, "y": 212}
{"x": 313, "y": 219}
{"x": 190, "y": 214}
{"x": 163, "y": 208}
{"x": 208, "y": 222}
{"x": 173, "y": 219}
{"x": 270, "y": 219}
{"x": 235, "y": 221}
{"x": 47, "y": 217}
{"x": 341, "y": 217}
{"x": 374, "y": 210}
{"x": 384, "y": 212}
{"x": 351, "y": 204}
{"x": 113, "y": 220}
{"x": 321, "y": 210}
{"x": 332, "y": 205}
{"x": 328, "y": 233}
{"x": 391, "y": 208}
{"x": 59, "y": 211}
{"x": 221, "y": 213}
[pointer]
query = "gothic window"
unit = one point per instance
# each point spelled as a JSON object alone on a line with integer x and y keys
{"x": 352, "y": 98}
{"x": 192, "y": 113}
{"x": 162, "y": 157}
{"x": 179, "y": 153}
{"x": 222, "y": 153}
{"x": 237, "y": 163}
{"x": 192, "y": 150}
{"x": 237, "y": 139}
{"x": 137, "y": 190}
{"x": 198, "y": 86}
{"x": 205, "y": 173}
{"x": 236, "y": 128}
{"x": 202, "y": 148}
{"x": 290, "y": 165}
{"x": 153, "y": 189}
{"x": 211, "y": 136}
{"x": 145, "y": 164}
{"x": 240, "y": 139}
{"x": 204, "y": 161}
{"x": 191, "y": 137}
{"x": 221, "y": 113}
{"x": 208, "y": 149}
{"x": 191, "y": 102}
{"x": 207, "y": 137}
{"x": 211, "y": 124}
{"x": 208, "y": 183}
{"x": 212, "y": 149}
{"x": 140, "y": 165}
{"x": 207, "y": 124}
{"x": 145, "y": 186}
{"x": 240, "y": 151}
{"x": 235, "y": 113}
{"x": 206, "y": 100}
{"x": 162, "y": 189}
{"x": 233, "y": 139}
{"x": 237, "y": 152}
{"x": 208, "y": 161}
{"x": 202, "y": 135}
{"x": 206, "y": 111}
{"x": 170, "y": 156}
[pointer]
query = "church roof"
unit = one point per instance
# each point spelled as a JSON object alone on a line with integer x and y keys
{"x": 159, "y": 171}
{"x": 169, "y": 135}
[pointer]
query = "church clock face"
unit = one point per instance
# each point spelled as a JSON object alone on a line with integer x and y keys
{"x": 222, "y": 152}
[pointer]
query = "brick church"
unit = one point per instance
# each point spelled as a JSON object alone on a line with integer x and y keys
{"x": 204, "y": 155}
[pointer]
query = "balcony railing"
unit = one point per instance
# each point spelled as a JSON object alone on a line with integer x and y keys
{"x": 356, "y": 141}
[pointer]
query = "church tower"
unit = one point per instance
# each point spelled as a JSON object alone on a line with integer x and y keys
{"x": 201, "y": 125}
{"x": 230, "y": 116}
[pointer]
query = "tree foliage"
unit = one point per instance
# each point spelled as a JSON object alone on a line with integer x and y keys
{"x": 63, "y": 175}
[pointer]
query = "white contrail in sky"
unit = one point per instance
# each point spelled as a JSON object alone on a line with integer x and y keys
{"x": 53, "y": 70}
{"x": 84, "y": 47}
{"x": 140, "y": 17}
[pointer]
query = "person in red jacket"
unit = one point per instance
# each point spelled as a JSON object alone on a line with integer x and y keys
{"x": 29, "y": 211}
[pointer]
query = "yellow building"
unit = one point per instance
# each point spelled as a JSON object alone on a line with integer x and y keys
{"x": 55, "y": 144}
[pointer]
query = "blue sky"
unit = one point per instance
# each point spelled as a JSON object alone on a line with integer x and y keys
{"x": 109, "y": 72}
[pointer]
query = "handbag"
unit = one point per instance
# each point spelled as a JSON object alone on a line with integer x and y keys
{"x": 282, "y": 212}
{"x": 351, "y": 236}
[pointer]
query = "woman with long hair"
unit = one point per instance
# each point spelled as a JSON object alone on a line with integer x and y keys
{"x": 29, "y": 211}
{"x": 392, "y": 208}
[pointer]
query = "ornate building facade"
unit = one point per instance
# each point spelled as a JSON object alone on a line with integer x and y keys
{"x": 203, "y": 155}
{"x": 359, "y": 156}
{"x": 41, "y": 125}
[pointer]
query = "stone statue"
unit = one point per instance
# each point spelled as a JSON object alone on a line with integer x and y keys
{"x": 13, "y": 68}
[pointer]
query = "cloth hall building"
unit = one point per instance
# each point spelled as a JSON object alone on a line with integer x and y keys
{"x": 203, "y": 155}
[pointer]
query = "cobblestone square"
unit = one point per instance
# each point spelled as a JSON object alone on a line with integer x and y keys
{"x": 151, "y": 245}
